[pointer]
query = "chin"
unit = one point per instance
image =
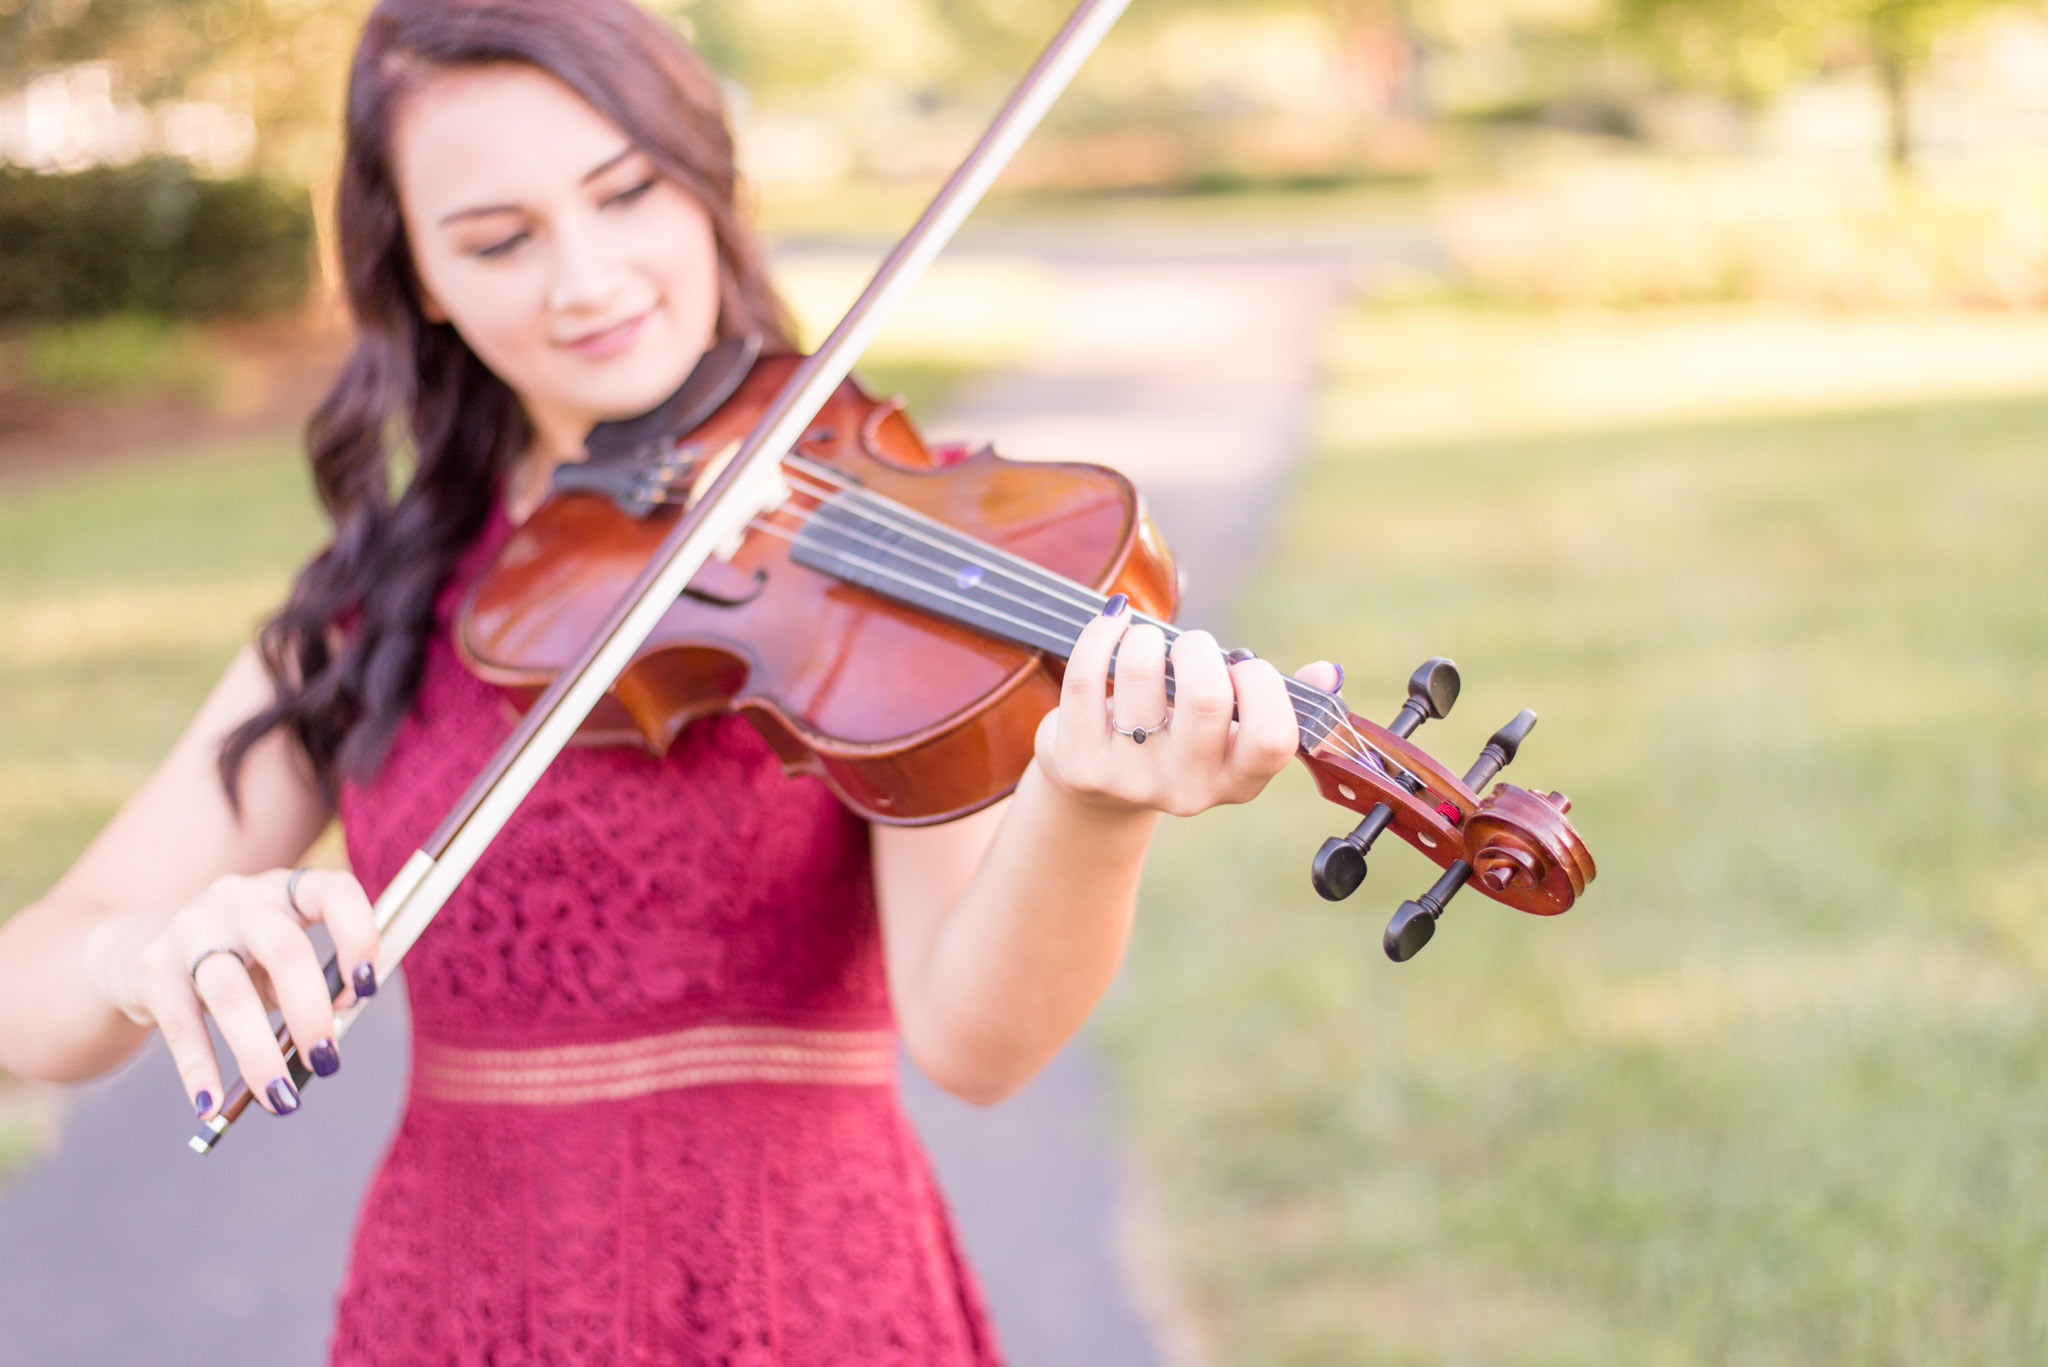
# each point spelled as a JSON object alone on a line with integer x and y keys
{"x": 632, "y": 389}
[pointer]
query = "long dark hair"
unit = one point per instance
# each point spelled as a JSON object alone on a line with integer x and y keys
{"x": 346, "y": 651}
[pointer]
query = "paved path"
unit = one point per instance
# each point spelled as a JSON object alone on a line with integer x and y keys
{"x": 1194, "y": 378}
{"x": 1192, "y": 375}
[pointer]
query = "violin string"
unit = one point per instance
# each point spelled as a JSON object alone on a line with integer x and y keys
{"x": 1367, "y": 754}
{"x": 1335, "y": 718}
{"x": 830, "y": 486}
{"x": 1042, "y": 582}
{"x": 1347, "y": 740}
{"x": 939, "y": 534}
{"x": 1004, "y": 583}
{"x": 1316, "y": 700}
{"x": 934, "y": 584}
{"x": 934, "y": 588}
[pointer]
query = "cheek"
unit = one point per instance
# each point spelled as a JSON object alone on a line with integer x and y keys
{"x": 499, "y": 316}
{"x": 678, "y": 251}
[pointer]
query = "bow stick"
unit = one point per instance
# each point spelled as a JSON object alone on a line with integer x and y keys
{"x": 750, "y": 484}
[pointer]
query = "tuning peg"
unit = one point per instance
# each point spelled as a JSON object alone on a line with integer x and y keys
{"x": 1500, "y": 750}
{"x": 1339, "y": 866}
{"x": 1415, "y": 922}
{"x": 1432, "y": 689}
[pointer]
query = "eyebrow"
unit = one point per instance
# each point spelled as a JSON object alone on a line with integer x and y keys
{"x": 485, "y": 210}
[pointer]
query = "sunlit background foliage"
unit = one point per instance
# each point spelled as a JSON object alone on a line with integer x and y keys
{"x": 1750, "y": 115}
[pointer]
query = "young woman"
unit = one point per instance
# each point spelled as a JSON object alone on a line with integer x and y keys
{"x": 652, "y": 1117}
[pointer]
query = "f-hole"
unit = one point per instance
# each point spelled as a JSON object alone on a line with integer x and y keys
{"x": 722, "y": 584}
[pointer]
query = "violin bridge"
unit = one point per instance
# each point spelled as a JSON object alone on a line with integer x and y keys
{"x": 765, "y": 490}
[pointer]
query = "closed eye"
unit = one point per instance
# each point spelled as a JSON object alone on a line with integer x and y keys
{"x": 491, "y": 251}
{"x": 630, "y": 193}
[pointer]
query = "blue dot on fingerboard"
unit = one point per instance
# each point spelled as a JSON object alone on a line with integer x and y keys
{"x": 968, "y": 576}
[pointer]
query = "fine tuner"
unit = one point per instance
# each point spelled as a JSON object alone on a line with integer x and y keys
{"x": 1514, "y": 843}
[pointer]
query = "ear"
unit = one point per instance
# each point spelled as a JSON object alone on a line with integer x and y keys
{"x": 430, "y": 307}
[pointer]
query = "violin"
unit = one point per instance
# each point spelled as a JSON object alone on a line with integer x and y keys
{"x": 773, "y": 540}
{"x": 896, "y": 625}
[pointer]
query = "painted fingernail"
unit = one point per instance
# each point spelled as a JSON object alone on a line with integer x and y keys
{"x": 364, "y": 980}
{"x": 325, "y": 1058}
{"x": 1116, "y": 605}
{"x": 284, "y": 1098}
{"x": 1339, "y": 687}
{"x": 202, "y": 1103}
{"x": 1240, "y": 655}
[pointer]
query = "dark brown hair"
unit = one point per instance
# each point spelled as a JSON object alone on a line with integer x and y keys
{"x": 345, "y": 652}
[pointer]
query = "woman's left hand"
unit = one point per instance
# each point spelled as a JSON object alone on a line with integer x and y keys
{"x": 1193, "y": 754}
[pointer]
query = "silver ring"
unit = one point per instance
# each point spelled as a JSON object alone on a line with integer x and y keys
{"x": 208, "y": 953}
{"x": 1139, "y": 733}
{"x": 291, "y": 891}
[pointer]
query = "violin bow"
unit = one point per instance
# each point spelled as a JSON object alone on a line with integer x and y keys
{"x": 750, "y": 483}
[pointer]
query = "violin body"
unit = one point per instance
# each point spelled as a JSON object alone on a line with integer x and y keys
{"x": 909, "y": 718}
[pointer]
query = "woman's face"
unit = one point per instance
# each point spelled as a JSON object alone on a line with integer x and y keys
{"x": 573, "y": 269}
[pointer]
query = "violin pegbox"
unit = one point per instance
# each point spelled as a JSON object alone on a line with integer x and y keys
{"x": 1514, "y": 844}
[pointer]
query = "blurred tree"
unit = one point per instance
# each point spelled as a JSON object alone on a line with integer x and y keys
{"x": 786, "y": 50}
{"x": 281, "y": 61}
{"x": 1754, "y": 49}
{"x": 1381, "y": 41}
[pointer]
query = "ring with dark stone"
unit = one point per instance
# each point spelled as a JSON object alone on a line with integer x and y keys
{"x": 1139, "y": 733}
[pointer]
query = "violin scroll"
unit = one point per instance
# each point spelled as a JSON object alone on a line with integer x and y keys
{"x": 1516, "y": 845}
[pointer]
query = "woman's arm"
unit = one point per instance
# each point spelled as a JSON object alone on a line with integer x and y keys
{"x": 1004, "y": 929}
{"x": 107, "y": 953}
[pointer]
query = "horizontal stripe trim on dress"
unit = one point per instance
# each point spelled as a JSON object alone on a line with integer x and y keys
{"x": 700, "y": 1056}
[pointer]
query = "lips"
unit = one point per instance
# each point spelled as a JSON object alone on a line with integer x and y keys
{"x": 609, "y": 340}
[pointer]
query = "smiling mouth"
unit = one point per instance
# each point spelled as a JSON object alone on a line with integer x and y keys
{"x": 608, "y": 341}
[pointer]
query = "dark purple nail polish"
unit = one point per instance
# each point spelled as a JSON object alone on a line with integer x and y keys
{"x": 1339, "y": 686}
{"x": 1116, "y": 605}
{"x": 202, "y": 1103}
{"x": 284, "y": 1098}
{"x": 325, "y": 1058}
{"x": 364, "y": 980}
{"x": 1240, "y": 655}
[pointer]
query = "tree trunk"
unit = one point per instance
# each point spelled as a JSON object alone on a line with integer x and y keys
{"x": 1898, "y": 121}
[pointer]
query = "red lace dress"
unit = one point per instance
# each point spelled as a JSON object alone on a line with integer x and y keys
{"x": 652, "y": 1116}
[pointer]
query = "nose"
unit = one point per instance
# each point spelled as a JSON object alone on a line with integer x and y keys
{"x": 587, "y": 277}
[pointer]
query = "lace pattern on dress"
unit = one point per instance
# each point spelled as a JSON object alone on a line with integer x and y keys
{"x": 643, "y": 922}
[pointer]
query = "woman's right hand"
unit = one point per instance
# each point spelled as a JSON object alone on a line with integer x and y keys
{"x": 238, "y": 950}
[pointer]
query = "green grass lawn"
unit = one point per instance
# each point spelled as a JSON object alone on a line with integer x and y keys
{"x": 1773, "y": 1093}
{"x": 123, "y": 593}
